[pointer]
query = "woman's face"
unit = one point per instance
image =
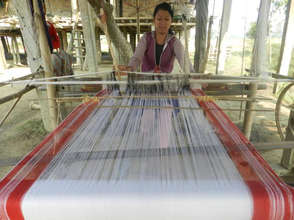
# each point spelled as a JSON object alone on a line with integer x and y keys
{"x": 162, "y": 22}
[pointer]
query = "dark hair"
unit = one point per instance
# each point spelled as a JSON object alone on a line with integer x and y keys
{"x": 163, "y": 6}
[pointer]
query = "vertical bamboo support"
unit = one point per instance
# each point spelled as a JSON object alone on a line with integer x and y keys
{"x": 16, "y": 49}
{"x": 138, "y": 19}
{"x": 133, "y": 41}
{"x": 259, "y": 62}
{"x": 221, "y": 54}
{"x": 79, "y": 54}
{"x": 98, "y": 46}
{"x": 45, "y": 54}
{"x": 200, "y": 36}
{"x": 249, "y": 115}
{"x": 3, "y": 64}
{"x": 287, "y": 42}
{"x": 64, "y": 40}
{"x": 288, "y": 154}
{"x": 7, "y": 44}
{"x": 4, "y": 44}
{"x": 186, "y": 54}
{"x": 13, "y": 51}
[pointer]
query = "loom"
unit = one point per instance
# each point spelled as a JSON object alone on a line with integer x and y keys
{"x": 145, "y": 155}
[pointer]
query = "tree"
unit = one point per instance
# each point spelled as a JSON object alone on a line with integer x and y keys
{"x": 279, "y": 6}
{"x": 122, "y": 46}
{"x": 252, "y": 31}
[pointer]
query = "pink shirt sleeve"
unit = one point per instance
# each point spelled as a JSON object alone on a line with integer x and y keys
{"x": 137, "y": 58}
{"x": 179, "y": 51}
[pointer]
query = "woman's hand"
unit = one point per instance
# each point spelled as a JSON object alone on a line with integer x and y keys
{"x": 120, "y": 68}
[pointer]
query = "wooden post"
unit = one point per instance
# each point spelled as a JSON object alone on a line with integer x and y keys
{"x": 288, "y": 154}
{"x": 98, "y": 46}
{"x": 125, "y": 33}
{"x": 287, "y": 42}
{"x": 64, "y": 40}
{"x": 46, "y": 56}
{"x": 120, "y": 8}
{"x": 138, "y": 19}
{"x": 203, "y": 67}
{"x": 186, "y": 54}
{"x": 74, "y": 35}
{"x": 3, "y": 64}
{"x": 28, "y": 31}
{"x": 32, "y": 48}
{"x": 5, "y": 46}
{"x": 133, "y": 41}
{"x": 249, "y": 115}
{"x": 200, "y": 36}
{"x": 78, "y": 48}
{"x": 16, "y": 49}
{"x": 258, "y": 64}
{"x": 89, "y": 34}
{"x": 7, "y": 43}
{"x": 13, "y": 51}
{"x": 221, "y": 54}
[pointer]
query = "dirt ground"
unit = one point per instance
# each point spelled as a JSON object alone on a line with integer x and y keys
{"x": 23, "y": 129}
{"x": 264, "y": 128}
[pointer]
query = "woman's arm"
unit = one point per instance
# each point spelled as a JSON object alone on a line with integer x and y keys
{"x": 180, "y": 54}
{"x": 136, "y": 59}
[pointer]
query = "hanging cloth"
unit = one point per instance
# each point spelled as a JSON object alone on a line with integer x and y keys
{"x": 41, "y": 7}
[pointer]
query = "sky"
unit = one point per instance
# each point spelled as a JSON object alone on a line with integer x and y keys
{"x": 243, "y": 12}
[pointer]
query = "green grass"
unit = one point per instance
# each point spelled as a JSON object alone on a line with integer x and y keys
{"x": 32, "y": 128}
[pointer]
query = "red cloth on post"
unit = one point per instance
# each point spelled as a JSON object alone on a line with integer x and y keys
{"x": 55, "y": 40}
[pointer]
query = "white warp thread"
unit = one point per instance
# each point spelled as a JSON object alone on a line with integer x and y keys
{"x": 141, "y": 164}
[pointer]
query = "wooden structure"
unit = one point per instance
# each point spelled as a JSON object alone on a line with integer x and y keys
{"x": 60, "y": 14}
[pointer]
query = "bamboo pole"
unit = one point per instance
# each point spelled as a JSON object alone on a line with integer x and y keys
{"x": 98, "y": 46}
{"x": 64, "y": 40}
{"x": 225, "y": 20}
{"x": 14, "y": 41}
{"x": 3, "y": 64}
{"x": 249, "y": 115}
{"x": 16, "y": 95}
{"x": 8, "y": 45}
{"x": 45, "y": 54}
{"x": 206, "y": 54}
{"x": 200, "y": 36}
{"x": 13, "y": 51}
{"x": 274, "y": 146}
{"x": 133, "y": 41}
{"x": 287, "y": 43}
{"x": 287, "y": 160}
{"x": 4, "y": 44}
{"x": 138, "y": 19}
{"x": 259, "y": 61}
{"x": 10, "y": 110}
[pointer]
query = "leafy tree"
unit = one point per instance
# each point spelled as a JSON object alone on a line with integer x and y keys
{"x": 279, "y": 6}
{"x": 252, "y": 31}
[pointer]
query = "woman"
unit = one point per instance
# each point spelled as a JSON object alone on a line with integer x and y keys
{"x": 158, "y": 49}
{"x": 156, "y": 52}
